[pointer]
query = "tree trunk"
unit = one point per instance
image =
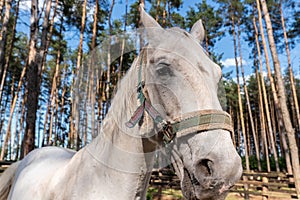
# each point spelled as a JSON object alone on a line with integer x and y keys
{"x": 12, "y": 108}
{"x": 10, "y": 48}
{"x": 232, "y": 116}
{"x": 75, "y": 103}
{"x": 54, "y": 93}
{"x": 238, "y": 128}
{"x": 164, "y": 15}
{"x": 3, "y": 35}
{"x": 157, "y": 11}
{"x": 262, "y": 97}
{"x": 44, "y": 36}
{"x": 291, "y": 76}
{"x": 142, "y": 3}
{"x": 47, "y": 34}
{"x": 92, "y": 96}
{"x": 62, "y": 100}
{"x": 241, "y": 114}
{"x": 108, "y": 74}
{"x": 1, "y": 8}
{"x": 21, "y": 126}
{"x": 46, "y": 140}
{"x": 263, "y": 128}
{"x": 272, "y": 87}
{"x": 282, "y": 100}
{"x": 4, "y": 27}
{"x": 122, "y": 46}
{"x": 32, "y": 83}
{"x": 247, "y": 100}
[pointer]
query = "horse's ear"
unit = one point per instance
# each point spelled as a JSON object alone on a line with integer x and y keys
{"x": 147, "y": 20}
{"x": 198, "y": 31}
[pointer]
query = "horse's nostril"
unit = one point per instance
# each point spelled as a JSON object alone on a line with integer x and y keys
{"x": 205, "y": 167}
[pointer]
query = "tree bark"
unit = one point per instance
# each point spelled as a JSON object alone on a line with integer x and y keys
{"x": 262, "y": 97}
{"x": 3, "y": 35}
{"x": 164, "y": 17}
{"x": 247, "y": 99}
{"x": 62, "y": 100}
{"x": 291, "y": 75}
{"x": 108, "y": 74}
{"x": 272, "y": 87}
{"x": 47, "y": 34}
{"x": 232, "y": 116}
{"x": 10, "y": 48}
{"x": 53, "y": 94}
{"x": 44, "y": 36}
{"x": 21, "y": 126}
{"x": 12, "y": 108}
{"x": 1, "y": 8}
{"x": 282, "y": 99}
{"x": 157, "y": 11}
{"x": 32, "y": 84}
{"x": 92, "y": 95}
{"x": 241, "y": 114}
{"x": 46, "y": 42}
{"x": 75, "y": 103}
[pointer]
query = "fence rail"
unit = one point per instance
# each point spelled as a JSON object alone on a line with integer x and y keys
{"x": 267, "y": 185}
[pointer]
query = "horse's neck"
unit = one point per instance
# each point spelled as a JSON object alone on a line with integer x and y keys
{"x": 125, "y": 164}
{"x": 120, "y": 151}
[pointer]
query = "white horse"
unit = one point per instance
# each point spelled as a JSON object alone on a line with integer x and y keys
{"x": 176, "y": 103}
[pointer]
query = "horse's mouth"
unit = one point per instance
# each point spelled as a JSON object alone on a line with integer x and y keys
{"x": 194, "y": 189}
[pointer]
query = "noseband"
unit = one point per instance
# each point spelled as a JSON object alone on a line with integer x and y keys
{"x": 198, "y": 121}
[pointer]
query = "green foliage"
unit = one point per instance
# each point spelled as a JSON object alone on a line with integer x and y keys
{"x": 134, "y": 15}
{"x": 150, "y": 193}
{"x": 254, "y": 164}
{"x": 165, "y": 12}
{"x": 212, "y": 22}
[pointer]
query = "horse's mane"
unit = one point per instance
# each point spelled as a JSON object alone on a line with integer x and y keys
{"x": 123, "y": 100}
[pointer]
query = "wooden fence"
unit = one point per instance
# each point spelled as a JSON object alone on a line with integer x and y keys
{"x": 272, "y": 185}
{"x": 4, "y": 165}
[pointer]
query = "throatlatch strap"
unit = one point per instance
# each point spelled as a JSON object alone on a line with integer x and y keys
{"x": 138, "y": 114}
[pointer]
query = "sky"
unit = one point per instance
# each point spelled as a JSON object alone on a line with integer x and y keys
{"x": 225, "y": 45}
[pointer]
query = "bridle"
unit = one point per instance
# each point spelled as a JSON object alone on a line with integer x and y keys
{"x": 198, "y": 121}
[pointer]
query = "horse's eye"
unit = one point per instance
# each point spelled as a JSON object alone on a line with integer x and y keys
{"x": 163, "y": 69}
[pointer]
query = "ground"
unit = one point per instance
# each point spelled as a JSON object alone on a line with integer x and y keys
{"x": 176, "y": 195}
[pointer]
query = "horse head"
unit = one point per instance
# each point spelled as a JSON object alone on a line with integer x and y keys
{"x": 178, "y": 85}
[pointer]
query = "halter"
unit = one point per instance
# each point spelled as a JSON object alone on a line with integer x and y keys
{"x": 198, "y": 121}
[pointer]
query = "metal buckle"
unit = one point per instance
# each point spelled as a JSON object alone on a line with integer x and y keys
{"x": 168, "y": 132}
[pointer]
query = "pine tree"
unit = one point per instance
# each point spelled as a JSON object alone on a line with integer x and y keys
{"x": 282, "y": 99}
{"x": 32, "y": 75}
{"x": 212, "y": 22}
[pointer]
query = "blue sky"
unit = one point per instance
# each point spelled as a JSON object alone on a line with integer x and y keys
{"x": 225, "y": 45}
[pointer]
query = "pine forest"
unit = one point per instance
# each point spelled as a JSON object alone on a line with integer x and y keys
{"x": 51, "y": 94}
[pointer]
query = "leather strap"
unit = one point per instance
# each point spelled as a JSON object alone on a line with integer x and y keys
{"x": 199, "y": 121}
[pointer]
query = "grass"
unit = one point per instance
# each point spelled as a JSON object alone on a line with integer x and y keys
{"x": 170, "y": 193}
